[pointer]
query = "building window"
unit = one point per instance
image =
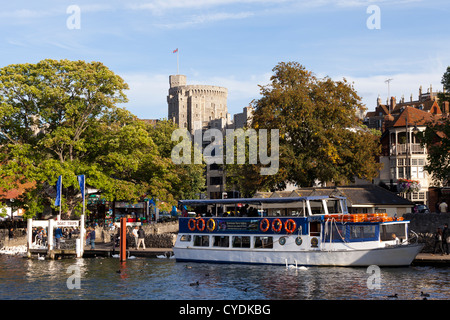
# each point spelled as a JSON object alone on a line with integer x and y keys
{"x": 215, "y": 180}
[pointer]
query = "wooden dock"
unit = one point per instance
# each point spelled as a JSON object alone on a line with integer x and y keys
{"x": 429, "y": 259}
{"x": 106, "y": 250}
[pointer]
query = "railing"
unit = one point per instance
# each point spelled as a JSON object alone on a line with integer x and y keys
{"x": 414, "y": 148}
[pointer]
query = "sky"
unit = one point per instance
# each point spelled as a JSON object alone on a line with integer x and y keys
{"x": 236, "y": 44}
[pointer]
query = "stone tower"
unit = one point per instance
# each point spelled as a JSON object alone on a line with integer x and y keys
{"x": 195, "y": 106}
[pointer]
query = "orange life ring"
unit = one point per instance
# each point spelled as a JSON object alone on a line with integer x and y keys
{"x": 265, "y": 222}
{"x": 191, "y": 224}
{"x": 203, "y": 224}
{"x": 290, "y": 226}
{"x": 277, "y": 222}
{"x": 211, "y": 225}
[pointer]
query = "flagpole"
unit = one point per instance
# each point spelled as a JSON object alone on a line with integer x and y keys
{"x": 178, "y": 72}
{"x": 60, "y": 199}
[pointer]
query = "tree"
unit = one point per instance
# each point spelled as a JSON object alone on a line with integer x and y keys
{"x": 436, "y": 138}
{"x": 321, "y": 138}
{"x": 61, "y": 118}
{"x": 445, "y": 96}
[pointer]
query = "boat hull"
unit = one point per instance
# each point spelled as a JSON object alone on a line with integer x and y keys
{"x": 394, "y": 256}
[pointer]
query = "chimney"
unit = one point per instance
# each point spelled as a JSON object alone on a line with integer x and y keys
{"x": 445, "y": 107}
{"x": 392, "y": 104}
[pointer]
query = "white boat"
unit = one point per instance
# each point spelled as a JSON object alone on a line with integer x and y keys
{"x": 317, "y": 231}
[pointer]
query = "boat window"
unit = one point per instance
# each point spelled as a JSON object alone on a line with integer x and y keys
{"x": 221, "y": 241}
{"x": 334, "y": 206}
{"x": 201, "y": 241}
{"x": 389, "y": 230}
{"x": 360, "y": 232}
{"x": 263, "y": 242}
{"x": 185, "y": 237}
{"x": 337, "y": 232}
{"x": 316, "y": 207}
{"x": 241, "y": 242}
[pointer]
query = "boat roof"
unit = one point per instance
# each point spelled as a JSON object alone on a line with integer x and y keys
{"x": 255, "y": 200}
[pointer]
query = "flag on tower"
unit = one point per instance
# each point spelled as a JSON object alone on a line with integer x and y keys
{"x": 175, "y": 51}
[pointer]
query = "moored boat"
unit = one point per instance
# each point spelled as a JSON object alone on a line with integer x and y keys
{"x": 314, "y": 231}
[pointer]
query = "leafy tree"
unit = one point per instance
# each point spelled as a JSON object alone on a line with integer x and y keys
{"x": 321, "y": 138}
{"x": 436, "y": 138}
{"x": 445, "y": 96}
{"x": 61, "y": 118}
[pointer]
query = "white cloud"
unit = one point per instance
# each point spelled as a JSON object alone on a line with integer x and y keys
{"x": 200, "y": 19}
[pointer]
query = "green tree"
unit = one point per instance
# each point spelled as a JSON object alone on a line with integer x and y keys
{"x": 445, "y": 96}
{"x": 321, "y": 138}
{"x": 61, "y": 118}
{"x": 436, "y": 138}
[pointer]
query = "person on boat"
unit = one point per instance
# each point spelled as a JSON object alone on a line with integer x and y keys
{"x": 394, "y": 237}
{"x": 438, "y": 241}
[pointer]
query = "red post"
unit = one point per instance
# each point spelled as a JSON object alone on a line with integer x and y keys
{"x": 123, "y": 239}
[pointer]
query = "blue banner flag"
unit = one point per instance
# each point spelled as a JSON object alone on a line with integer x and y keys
{"x": 81, "y": 182}
{"x": 58, "y": 191}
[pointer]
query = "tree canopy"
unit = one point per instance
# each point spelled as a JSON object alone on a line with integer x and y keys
{"x": 321, "y": 137}
{"x": 61, "y": 118}
{"x": 436, "y": 138}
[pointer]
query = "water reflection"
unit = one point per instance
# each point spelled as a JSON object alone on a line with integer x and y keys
{"x": 107, "y": 278}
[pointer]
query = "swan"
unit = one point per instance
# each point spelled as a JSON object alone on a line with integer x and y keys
{"x": 40, "y": 258}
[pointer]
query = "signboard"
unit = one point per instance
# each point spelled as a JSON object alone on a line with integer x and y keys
{"x": 238, "y": 225}
{"x": 67, "y": 223}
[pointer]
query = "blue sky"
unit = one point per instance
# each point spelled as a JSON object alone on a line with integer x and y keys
{"x": 235, "y": 44}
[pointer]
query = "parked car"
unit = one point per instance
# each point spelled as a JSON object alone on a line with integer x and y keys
{"x": 421, "y": 208}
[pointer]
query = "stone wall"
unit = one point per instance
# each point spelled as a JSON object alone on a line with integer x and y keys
{"x": 158, "y": 235}
{"x": 20, "y": 238}
{"x": 425, "y": 225}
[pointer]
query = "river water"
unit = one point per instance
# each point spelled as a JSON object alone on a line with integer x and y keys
{"x": 166, "y": 279}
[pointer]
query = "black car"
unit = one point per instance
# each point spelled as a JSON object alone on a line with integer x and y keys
{"x": 421, "y": 208}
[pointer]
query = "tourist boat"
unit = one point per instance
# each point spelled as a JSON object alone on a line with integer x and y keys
{"x": 302, "y": 231}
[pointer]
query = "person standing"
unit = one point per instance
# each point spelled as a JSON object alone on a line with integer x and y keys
{"x": 58, "y": 235}
{"x": 443, "y": 207}
{"x": 438, "y": 241}
{"x": 136, "y": 236}
{"x": 92, "y": 237}
{"x": 445, "y": 239}
{"x": 141, "y": 238}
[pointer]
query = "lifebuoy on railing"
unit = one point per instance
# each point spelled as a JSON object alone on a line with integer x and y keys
{"x": 191, "y": 224}
{"x": 277, "y": 225}
{"x": 290, "y": 226}
{"x": 202, "y": 227}
{"x": 211, "y": 225}
{"x": 264, "y": 225}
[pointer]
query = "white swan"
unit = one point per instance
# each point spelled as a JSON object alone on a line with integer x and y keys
{"x": 40, "y": 258}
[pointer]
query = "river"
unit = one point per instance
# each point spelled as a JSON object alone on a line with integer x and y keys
{"x": 166, "y": 279}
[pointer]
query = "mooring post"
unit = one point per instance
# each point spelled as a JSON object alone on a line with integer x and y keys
{"x": 123, "y": 239}
{"x": 29, "y": 236}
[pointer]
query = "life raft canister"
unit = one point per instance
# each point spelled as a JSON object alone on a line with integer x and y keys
{"x": 191, "y": 224}
{"x": 264, "y": 225}
{"x": 211, "y": 225}
{"x": 202, "y": 226}
{"x": 277, "y": 225}
{"x": 290, "y": 226}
